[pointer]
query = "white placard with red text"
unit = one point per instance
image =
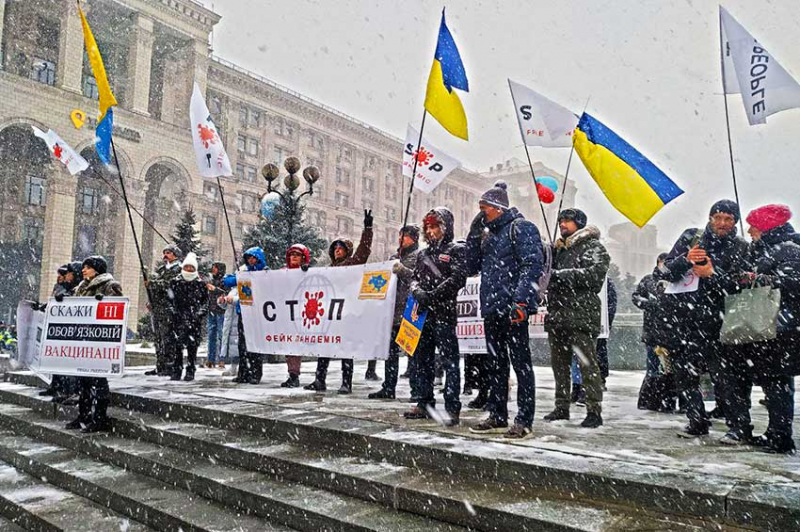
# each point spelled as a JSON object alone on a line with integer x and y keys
{"x": 336, "y": 312}
{"x": 85, "y": 337}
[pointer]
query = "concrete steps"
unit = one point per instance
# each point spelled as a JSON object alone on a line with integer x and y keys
{"x": 289, "y": 472}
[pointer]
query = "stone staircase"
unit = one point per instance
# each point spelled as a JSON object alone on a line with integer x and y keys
{"x": 174, "y": 464}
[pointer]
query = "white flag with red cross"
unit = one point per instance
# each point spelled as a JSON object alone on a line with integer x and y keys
{"x": 433, "y": 165}
{"x": 62, "y": 151}
{"x": 212, "y": 161}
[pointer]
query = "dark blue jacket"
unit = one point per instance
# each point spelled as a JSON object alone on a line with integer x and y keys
{"x": 229, "y": 281}
{"x": 510, "y": 270}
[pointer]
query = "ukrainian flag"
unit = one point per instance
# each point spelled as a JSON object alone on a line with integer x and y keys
{"x": 633, "y": 185}
{"x": 447, "y": 73}
{"x": 105, "y": 122}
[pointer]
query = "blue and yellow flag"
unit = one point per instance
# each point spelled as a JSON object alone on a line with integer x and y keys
{"x": 105, "y": 122}
{"x": 447, "y": 72}
{"x": 633, "y": 185}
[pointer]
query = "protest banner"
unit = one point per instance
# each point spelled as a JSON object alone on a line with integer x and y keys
{"x": 84, "y": 337}
{"x": 29, "y": 334}
{"x": 342, "y": 312}
{"x": 411, "y": 327}
{"x": 470, "y": 332}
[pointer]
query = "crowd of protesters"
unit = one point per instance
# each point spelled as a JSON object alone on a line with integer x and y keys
{"x": 683, "y": 304}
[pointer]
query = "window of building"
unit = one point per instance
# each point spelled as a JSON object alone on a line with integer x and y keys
{"x": 43, "y": 71}
{"x": 449, "y": 193}
{"x": 251, "y": 174}
{"x": 215, "y": 105}
{"x": 367, "y": 184}
{"x": 283, "y": 128}
{"x": 248, "y": 203}
{"x": 391, "y": 191}
{"x": 279, "y": 154}
{"x": 32, "y": 230}
{"x": 241, "y": 143}
{"x": 344, "y": 226}
{"x": 240, "y": 172}
{"x": 342, "y": 177}
{"x": 209, "y": 225}
{"x": 391, "y": 213}
{"x": 35, "y": 191}
{"x": 342, "y": 199}
{"x": 90, "y": 87}
{"x": 89, "y": 200}
{"x": 210, "y": 191}
{"x": 252, "y": 147}
{"x": 243, "y": 114}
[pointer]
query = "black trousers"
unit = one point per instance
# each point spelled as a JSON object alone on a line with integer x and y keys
{"x": 188, "y": 338}
{"x": 391, "y": 367}
{"x": 441, "y": 336}
{"x": 65, "y": 385}
{"x": 347, "y": 370}
{"x": 165, "y": 342}
{"x": 251, "y": 365}
{"x": 689, "y": 362}
{"x": 94, "y": 399}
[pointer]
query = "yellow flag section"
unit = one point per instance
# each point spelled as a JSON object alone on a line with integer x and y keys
{"x": 445, "y": 106}
{"x": 107, "y": 98}
{"x": 633, "y": 184}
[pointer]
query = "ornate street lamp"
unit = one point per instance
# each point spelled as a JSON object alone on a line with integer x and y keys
{"x": 291, "y": 181}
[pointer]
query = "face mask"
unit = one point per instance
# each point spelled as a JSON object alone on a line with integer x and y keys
{"x": 188, "y": 276}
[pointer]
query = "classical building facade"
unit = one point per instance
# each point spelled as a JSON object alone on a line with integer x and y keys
{"x": 154, "y": 51}
{"x": 633, "y": 249}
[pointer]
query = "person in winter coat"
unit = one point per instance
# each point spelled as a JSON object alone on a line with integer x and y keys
{"x": 702, "y": 268}
{"x": 578, "y": 392}
{"x": 297, "y": 256}
{"x": 251, "y": 365}
{"x": 404, "y": 269}
{"x": 158, "y": 286}
{"x": 216, "y": 314}
{"x": 580, "y": 265}
{"x": 95, "y": 394}
{"x": 658, "y": 391}
{"x": 63, "y": 387}
{"x": 341, "y": 254}
{"x": 188, "y": 307}
{"x": 775, "y": 257}
{"x": 506, "y": 250}
{"x": 440, "y": 272}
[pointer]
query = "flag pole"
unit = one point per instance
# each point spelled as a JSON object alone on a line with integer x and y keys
{"x": 414, "y": 170}
{"x": 722, "y": 50}
{"x": 566, "y": 174}
{"x": 228, "y": 221}
{"x": 533, "y": 173}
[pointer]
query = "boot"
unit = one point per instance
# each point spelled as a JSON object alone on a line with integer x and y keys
{"x": 557, "y": 415}
{"x": 417, "y": 413}
{"x": 452, "y": 420}
{"x": 151, "y": 373}
{"x": 592, "y": 421}
{"x": 479, "y": 402}
{"x": 292, "y": 382}
{"x": 381, "y": 394}
{"x": 695, "y": 430}
{"x": 371, "y": 375}
{"x": 189, "y": 373}
{"x": 344, "y": 389}
{"x": 221, "y": 365}
{"x": 75, "y": 424}
{"x": 101, "y": 425}
{"x": 316, "y": 386}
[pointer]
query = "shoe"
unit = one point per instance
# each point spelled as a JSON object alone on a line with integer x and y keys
{"x": 381, "y": 394}
{"x": 774, "y": 444}
{"x": 467, "y": 391}
{"x": 451, "y": 421}
{"x": 151, "y": 373}
{"x": 478, "y": 403}
{"x": 175, "y": 377}
{"x": 221, "y": 365}
{"x": 489, "y": 426}
{"x": 736, "y": 437}
{"x": 72, "y": 400}
{"x": 371, "y": 376}
{"x": 605, "y": 388}
{"x": 717, "y": 413}
{"x": 189, "y": 377}
{"x": 292, "y": 382}
{"x": 252, "y": 380}
{"x": 97, "y": 426}
{"x": 580, "y": 399}
{"x": 75, "y": 424}
{"x": 232, "y": 371}
{"x": 518, "y": 432}
{"x": 412, "y": 399}
{"x": 404, "y": 375}
{"x": 417, "y": 413}
{"x": 762, "y": 401}
{"x": 592, "y": 421}
{"x": 576, "y": 393}
{"x": 344, "y": 390}
{"x": 237, "y": 380}
{"x": 694, "y": 431}
{"x": 58, "y": 398}
{"x": 47, "y": 392}
{"x": 209, "y": 365}
{"x": 557, "y": 415}
{"x": 317, "y": 386}
{"x": 437, "y": 381}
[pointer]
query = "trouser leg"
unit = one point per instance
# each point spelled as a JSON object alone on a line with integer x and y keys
{"x": 425, "y": 370}
{"x": 687, "y": 369}
{"x": 371, "y": 365}
{"x": 85, "y": 400}
{"x": 322, "y": 369}
{"x": 293, "y": 364}
{"x": 779, "y": 394}
{"x": 602, "y": 357}
{"x": 496, "y": 344}
{"x": 575, "y": 371}
{"x": 244, "y": 360}
{"x": 392, "y": 365}
{"x": 447, "y": 342}
{"x": 584, "y": 346}
{"x": 735, "y": 386}
{"x": 347, "y": 372}
{"x": 102, "y": 398}
{"x": 413, "y": 376}
{"x": 560, "y": 361}
{"x": 520, "y": 353}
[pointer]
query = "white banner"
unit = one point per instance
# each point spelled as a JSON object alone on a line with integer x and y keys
{"x": 62, "y": 151}
{"x": 433, "y": 165}
{"x": 339, "y": 312}
{"x": 470, "y": 332}
{"x": 212, "y": 161}
{"x": 542, "y": 122}
{"x": 749, "y": 69}
{"x": 30, "y": 324}
{"x": 84, "y": 337}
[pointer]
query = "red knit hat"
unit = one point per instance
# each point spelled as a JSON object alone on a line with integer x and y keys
{"x": 769, "y": 217}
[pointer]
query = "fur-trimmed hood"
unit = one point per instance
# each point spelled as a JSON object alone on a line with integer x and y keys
{"x": 590, "y": 231}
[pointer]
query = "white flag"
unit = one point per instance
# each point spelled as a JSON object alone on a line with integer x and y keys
{"x": 62, "y": 151}
{"x": 433, "y": 164}
{"x": 749, "y": 69}
{"x": 212, "y": 161}
{"x": 542, "y": 122}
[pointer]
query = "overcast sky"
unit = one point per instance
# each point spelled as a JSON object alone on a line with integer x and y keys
{"x": 650, "y": 68}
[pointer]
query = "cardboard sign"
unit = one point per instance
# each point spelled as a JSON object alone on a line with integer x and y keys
{"x": 411, "y": 327}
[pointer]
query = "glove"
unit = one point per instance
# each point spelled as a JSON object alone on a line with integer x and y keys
{"x": 59, "y": 298}
{"x": 519, "y": 313}
{"x": 304, "y": 267}
{"x": 99, "y": 297}
{"x": 422, "y": 297}
{"x": 398, "y": 268}
{"x": 765, "y": 264}
{"x": 477, "y": 225}
{"x": 367, "y": 218}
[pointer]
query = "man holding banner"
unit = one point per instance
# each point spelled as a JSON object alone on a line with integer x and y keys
{"x": 506, "y": 250}
{"x": 440, "y": 272}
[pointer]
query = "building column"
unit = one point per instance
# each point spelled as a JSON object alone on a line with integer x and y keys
{"x": 2, "y": 29}
{"x": 198, "y": 62}
{"x": 126, "y": 260}
{"x": 59, "y": 228}
{"x": 139, "y": 66}
{"x": 69, "y": 71}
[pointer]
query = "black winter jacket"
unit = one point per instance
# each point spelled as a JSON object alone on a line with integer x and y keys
{"x": 408, "y": 258}
{"x": 188, "y": 303}
{"x": 647, "y": 297}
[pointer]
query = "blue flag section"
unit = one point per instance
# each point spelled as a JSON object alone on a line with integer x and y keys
{"x": 453, "y": 72}
{"x": 411, "y": 327}
{"x": 103, "y": 142}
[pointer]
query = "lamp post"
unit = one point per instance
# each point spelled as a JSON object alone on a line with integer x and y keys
{"x": 291, "y": 181}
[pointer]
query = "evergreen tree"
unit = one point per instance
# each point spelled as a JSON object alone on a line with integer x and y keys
{"x": 187, "y": 239}
{"x": 284, "y": 228}
{"x": 625, "y": 285}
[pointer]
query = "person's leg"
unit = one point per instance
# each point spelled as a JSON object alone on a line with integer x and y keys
{"x": 584, "y": 348}
{"x": 102, "y": 399}
{"x": 687, "y": 380}
{"x": 256, "y": 367}
{"x": 447, "y": 342}
{"x": 392, "y": 366}
{"x": 322, "y": 369}
{"x": 575, "y": 371}
{"x": 347, "y": 373}
{"x": 602, "y": 358}
{"x": 560, "y": 361}
{"x": 425, "y": 366}
{"x": 413, "y": 376}
{"x": 496, "y": 329}
{"x": 779, "y": 393}
{"x": 211, "y": 333}
{"x": 85, "y": 401}
{"x": 520, "y": 354}
{"x": 244, "y": 361}
{"x": 370, "y": 373}
{"x": 293, "y": 365}
{"x": 191, "y": 359}
{"x": 736, "y": 387}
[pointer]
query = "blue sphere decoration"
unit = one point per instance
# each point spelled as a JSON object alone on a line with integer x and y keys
{"x": 269, "y": 204}
{"x": 549, "y": 182}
